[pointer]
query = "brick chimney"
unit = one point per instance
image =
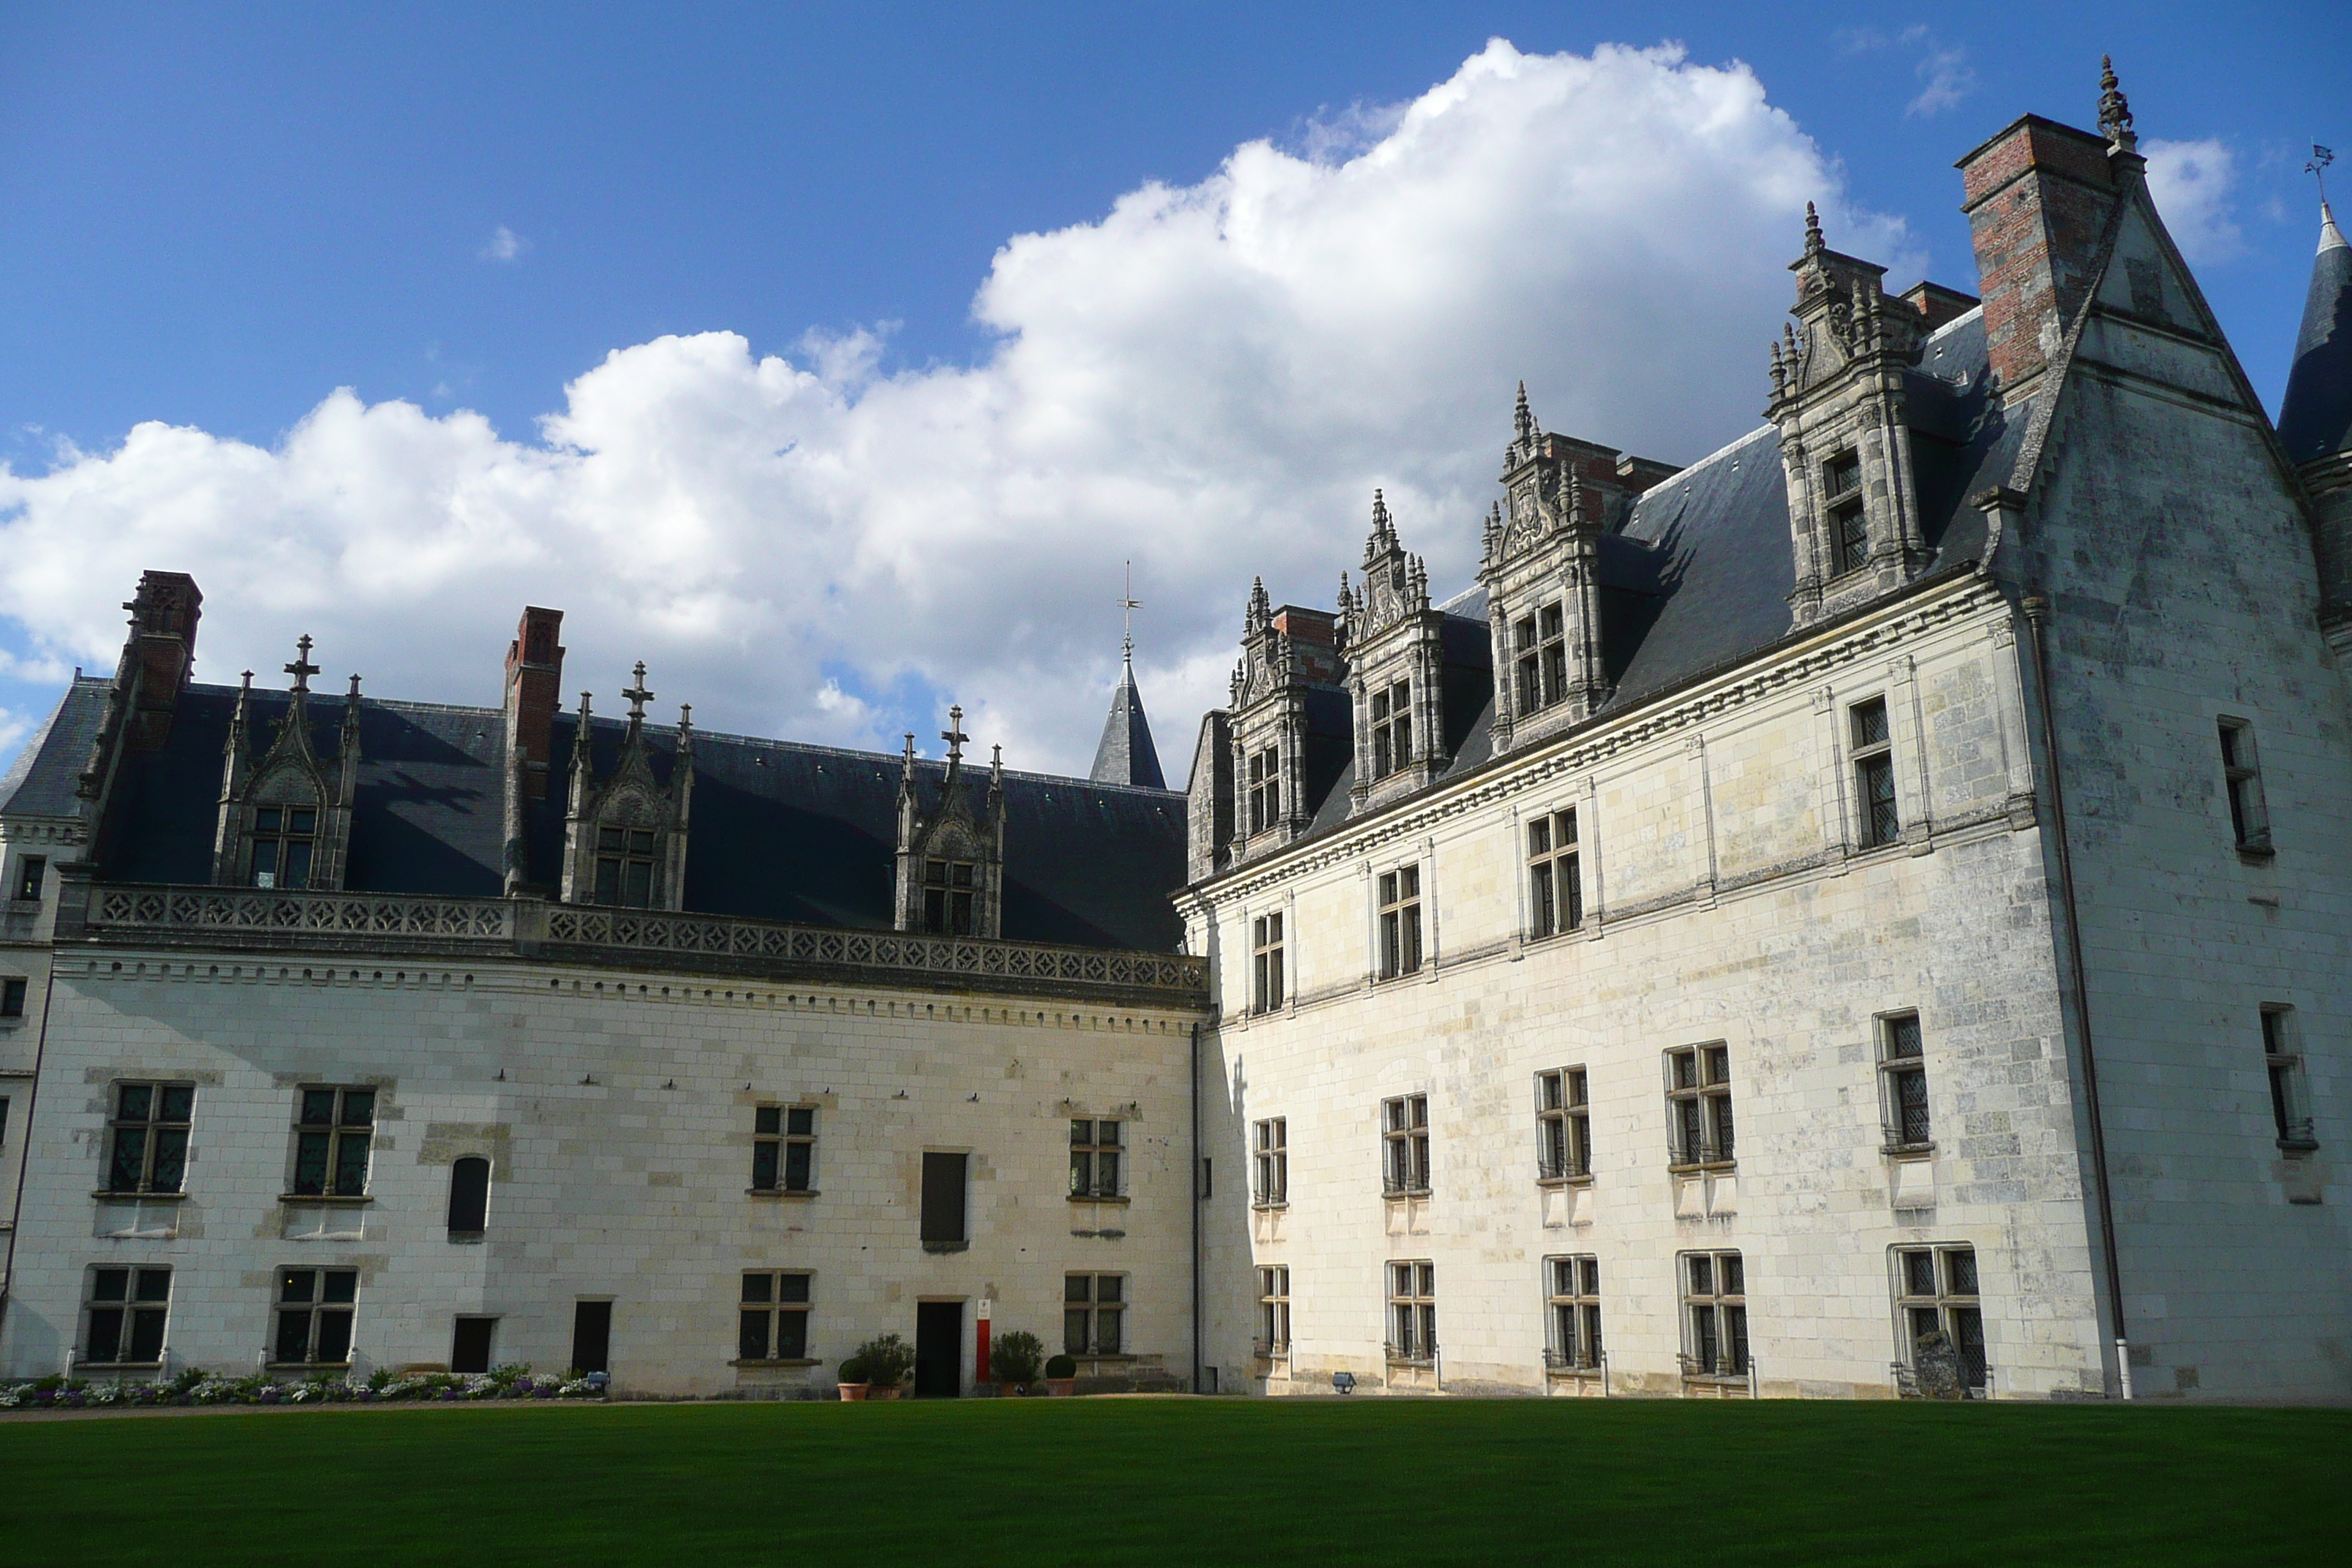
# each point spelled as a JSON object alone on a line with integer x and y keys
{"x": 163, "y": 648}
{"x": 2038, "y": 196}
{"x": 534, "y": 692}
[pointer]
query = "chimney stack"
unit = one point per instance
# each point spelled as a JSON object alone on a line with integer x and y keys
{"x": 2039, "y": 195}
{"x": 534, "y": 687}
{"x": 162, "y": 650}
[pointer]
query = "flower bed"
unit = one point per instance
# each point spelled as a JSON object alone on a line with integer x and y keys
{"x": 196, "y": 1386}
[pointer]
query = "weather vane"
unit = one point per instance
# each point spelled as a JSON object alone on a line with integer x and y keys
{"x": 1127, "y": 604}
{"x": 2317, "y": 168}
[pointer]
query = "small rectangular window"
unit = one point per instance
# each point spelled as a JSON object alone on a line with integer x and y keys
{"x": 1539, "y": 651}
{"x": 1903, "y": 1068}
{"x": 1874, "y": 775}
{"x": 1563, "y": 1126}
{"x": 2242, "y": 775}
{"x": 1698, "y": 1105}
{"x": 1267, "y": 966}
{"x": 1849, "y": 526}
{"x": 332, "y": 1131}
{"x": 1272, "y": 1138}
{"x": 1264, "y": 789}
{"x": 149, "y": 1137}
{"x": 1413, "y": 1312}
{"x": 30, "y": 870}
{"x": 1093, "y": 1310}
{"x": 1096, "y": 1150}
{"x": 1399, "y": 922}
{"x": 1274, "y": 1311}
{"x": 1573, "y": 1293}
{"x": 951, "y": 897}
{"x": 283, "y": 840}
{"x": 1942, "y": 1320}
{"x": 4, "y": 1121}
{"x": 125, "y": 1315}
{"x": 12, "y": 997}
{"x": 783, "y": 1148}
{"x": 2283, "y": 1063}
{"x": 314, "y": 1317}
{"x": 1404, "y": 1131}
{"x": 773, "y": 1323}
{"x": 943, "y": 1190}
{"x": 469, "y": 1197}
{"x": 1391, "y": 728}
{"x": 1714, "y": 1315}
{"x": 1555, "y": 881}
{"x": 625, "y": 866}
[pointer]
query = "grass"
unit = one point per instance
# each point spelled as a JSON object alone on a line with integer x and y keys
{"x": 1182, "y": 1481}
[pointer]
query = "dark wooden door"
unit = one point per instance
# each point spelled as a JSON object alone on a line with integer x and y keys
{"x": 592, "y": 1336}
{"x": 938, "y": 1350}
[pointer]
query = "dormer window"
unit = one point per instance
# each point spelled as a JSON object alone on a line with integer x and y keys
{"x": 1849, "y": 530}
{"x": 950, "y": 891}
{"x": 1392, "y": 729}
{"x": 1540, "y": 653}
{"x": 625, "y": 866}
{"x": 1264, "y": 789}
{"x": 283, "y": 840}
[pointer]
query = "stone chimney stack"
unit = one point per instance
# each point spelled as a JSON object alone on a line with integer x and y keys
{"x": 2038, "y": 198}
{"x": 163, "y": 647}
{"x": 534, "y": 692}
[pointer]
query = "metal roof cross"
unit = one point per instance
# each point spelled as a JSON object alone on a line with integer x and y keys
{"x": 953, "y": 734}
{"x": 302, "y": 669}
{"x": 638, "y": 695}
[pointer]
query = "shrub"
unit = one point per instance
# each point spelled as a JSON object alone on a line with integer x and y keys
{"x": 853, "y": 1370}
{"x": 1016, "y": 1357}
{"x": 888, "y": 1358}
{"x": 1061, "y": 1366}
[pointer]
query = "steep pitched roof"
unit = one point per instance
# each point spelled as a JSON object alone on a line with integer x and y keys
{"x": 2315, "y": 418}
{"x": 1126, "y": 755}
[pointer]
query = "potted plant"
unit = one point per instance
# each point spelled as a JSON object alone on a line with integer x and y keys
{"x": 851, "y": 1379}
{"x": 1061, "y": 1377}
{"x": 1015, "y": 1359}
{"x": 885, "y": 1361}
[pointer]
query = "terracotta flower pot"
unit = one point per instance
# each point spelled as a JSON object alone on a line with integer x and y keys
{"x": 1062, "y": 1387}
{"x": 852, "y": 1390}
{"x": 881, "y": 1391}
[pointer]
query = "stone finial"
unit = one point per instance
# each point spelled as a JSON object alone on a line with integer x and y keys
{"x": 1815, "y": 244}
{"x": 2115, "y": 110}
{"x": 953, "y": 734}
{"x": 1383, "y": 539}
{"x": 1261, "y": 608}
{"x": 1523, "y": 419}
{"x": 355, "y": 688}
{"x": 638, "y": 696}
{"x": 302, "y": 669}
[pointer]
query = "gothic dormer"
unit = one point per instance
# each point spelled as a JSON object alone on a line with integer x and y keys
{"x": 1838, "y": 399}
{"x": 1289, "y": 722}
{"x": 625, "y": 839}
{"x": 950, "y": 863}
{"x": 1396, "y": 665}
{"x": 286, "y": 820}
{"x": 1540, "y": 568}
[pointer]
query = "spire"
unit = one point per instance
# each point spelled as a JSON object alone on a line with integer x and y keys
{"x": 1125, "y": 755}
{"x": 1815, "y": 244}
{"x": 1261, "y": 608}
{"x": 2115, "y": 110}
{"x": 2315, "y": 417}
{"x": 1383, "y": 541}
{"x": 1523, "y": 422}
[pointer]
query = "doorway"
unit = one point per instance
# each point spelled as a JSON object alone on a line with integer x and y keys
{"x": 938, "y": 1350}
{"x": 592, "y": 1336}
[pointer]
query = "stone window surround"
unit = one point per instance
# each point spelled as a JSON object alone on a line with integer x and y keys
{"x": 1886, "y": 1027}
{"x": 1563, "y": 1127}
{"x": 779, "y": 1131}
{"x": 1270, "y": 1161}
{"x": 1954, "y": 1293}
{"x": 1572, "y": 1337}
{"x": 1274, "y": 1312}
{"x": 1708, "y": 1089}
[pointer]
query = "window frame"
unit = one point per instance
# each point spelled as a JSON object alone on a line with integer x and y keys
{"x": 155, "y": 1131}
{"x": 1264, "y": 780}
{"x": 1573, "y": 1329}
{"x": 1715, "y": 1345}
{"x": 1877, "y": 791}
{"x": 1273, "y": 1310}
{"x": 1093, "y": 1312}
{"x": 32, "y": 877}
{"x": 774, "y": 1308}
{"x": 450, "y": 1215}
{"x": 1270, "y": 1162}
{"x": 1706, "y": 1087}
{"x": 133, "y": 1312}
{"x": 1539, "y": 657}
{"x": 1267, "y": 979}
{"x": 1957, "y": 1312}
{"x": 950, "y": 896}
{"x": 1563, "y": 1126}
{"x": 782, "y": 1136}
{"x": 2283, "y": 1070}
{"x": 1411, "y": 1338}
{"x": 315, "y": 1308}
{"x": 1845, "y": 513}
{"x": 1391, "y": 728}
{"x": 1098, "y": 1166}
{"x": 333, "y": 1136}
{"x": 277, "y": 824}
{"x": 16, "y": 991}
{"x": 1404, "y": 1146}
{"x": 2242, "y": 786}
{"x": 1554, "y": 855}
{"x": 1906, "y": 1121}
{"x": 1398, "y": 892}
{"x": 626, "y": 860}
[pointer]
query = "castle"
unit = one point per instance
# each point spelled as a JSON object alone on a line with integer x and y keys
{"x": 1864, "y": 913}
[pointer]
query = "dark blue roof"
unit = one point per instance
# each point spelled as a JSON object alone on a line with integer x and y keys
{"x": 2315, "y": 418}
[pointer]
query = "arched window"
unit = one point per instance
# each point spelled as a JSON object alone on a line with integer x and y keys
{"x": 469, "y": 1196}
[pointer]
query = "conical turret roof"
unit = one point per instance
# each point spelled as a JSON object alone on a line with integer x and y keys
{"x": 2315, "y": 419}
{"x": 1127, "y": 755}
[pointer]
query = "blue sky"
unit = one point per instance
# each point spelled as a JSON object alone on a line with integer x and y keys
{"x": 219, "y": 216}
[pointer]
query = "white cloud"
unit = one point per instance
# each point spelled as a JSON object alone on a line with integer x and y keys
{"x": 1945, "y": 78}
{"x": 2194, "y": 185}
{"x": 505, "y": 245}
{"x": 1210, "y": 379}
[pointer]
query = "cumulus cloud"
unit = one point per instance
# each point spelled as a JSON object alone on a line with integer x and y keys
{"x": 1210, "y": 380}
{"x": 1945, "y": 78}
{"x": 505, "y": 245}
{"x": 2195, "y": 185}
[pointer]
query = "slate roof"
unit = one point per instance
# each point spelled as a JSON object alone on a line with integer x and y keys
{"x": 1125, "y": 755}
{"x": 2315, "y": 418}
{"x": 780, "y": 831}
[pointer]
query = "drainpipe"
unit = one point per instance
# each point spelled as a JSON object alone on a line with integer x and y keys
{"x": 2037, "y": 611}
{"x": 1197, "y": 1200}
{"x": 31, "y": 1104}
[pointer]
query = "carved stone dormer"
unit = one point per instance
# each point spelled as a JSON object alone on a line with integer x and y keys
{"x": 286, "y": 820}
{"x": 1541, "y": 569}
{"x": 1289, "y": 723}
{"x": 1838, "y": 399}
{"x": 951, "y": 862}
{"x": 1396, "y": 667}
{"x": 625, "y": 839}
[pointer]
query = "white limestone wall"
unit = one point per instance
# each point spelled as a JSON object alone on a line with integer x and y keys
{"x": 24, "y": 955}
{"x": 1725, "y": 902}
{"x": 617, "y": 1112}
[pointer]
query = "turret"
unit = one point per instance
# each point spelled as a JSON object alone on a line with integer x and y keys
{"x": 2316, "y": 425}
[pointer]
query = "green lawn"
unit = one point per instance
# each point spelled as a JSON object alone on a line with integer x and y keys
{"x": 1407, "y": 1482}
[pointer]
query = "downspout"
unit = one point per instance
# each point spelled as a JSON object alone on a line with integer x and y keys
{"x": 31, "y": 1104}
{"x": 2037, "y": 610}
{"x": 1197, "y": 1200}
